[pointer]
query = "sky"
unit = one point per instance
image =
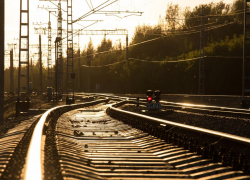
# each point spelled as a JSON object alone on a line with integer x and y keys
{"x": 152, "y": 10}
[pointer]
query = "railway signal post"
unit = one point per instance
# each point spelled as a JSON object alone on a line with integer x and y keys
{"x": 153, "y": 105}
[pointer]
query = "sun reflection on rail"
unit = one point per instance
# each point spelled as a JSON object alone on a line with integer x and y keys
{"x": 34, "y": 164}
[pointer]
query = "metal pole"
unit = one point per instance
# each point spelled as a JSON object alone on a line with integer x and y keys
{"x": 2, "y": 60}
{"x": 49, "y": 59}
{"x": 89, "y": 75}
{"x": 79, "y": 70}
{"x": 201, "y": 61}
{"x": 56, "y": 70}
{"x": 11, "y": 72}
{"x": 41, "y": 65}
{"x": 59, "y": 53}
{"x": 28, "y": 42}
{"x": 243, "y": 63}
{"x": 129, "y": 82}
{"x": 31, "y": 67}
{"x": 23, "y": 64}
{"x": 70, "y": 55}
{"x": 49, "y": 84}
{"x": 127, "y": 47}
{"x": 79, "y": 67}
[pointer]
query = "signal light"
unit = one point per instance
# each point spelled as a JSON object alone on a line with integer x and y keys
{"x": 150, "y": 94}
{"x": 157, "y": 96}
{"x": 149, "y": 98}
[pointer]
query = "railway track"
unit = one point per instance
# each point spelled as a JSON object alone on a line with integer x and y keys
{"x": 189, "y": 107}
{"x": 97, "y": 140}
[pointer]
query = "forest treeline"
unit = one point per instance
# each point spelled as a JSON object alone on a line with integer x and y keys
{"x": 165, "y": 56}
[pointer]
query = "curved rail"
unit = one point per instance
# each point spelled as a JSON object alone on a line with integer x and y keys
{"x": 218, "y": 139}
{"x": 193, "y": 128}
{"x": 183, "y": 106}
{"x": 33, "y": 167}
{"x": 34, "y": 163}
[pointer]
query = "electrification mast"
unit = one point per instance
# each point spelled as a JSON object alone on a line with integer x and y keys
{"x": 59, "y": 59}
{"x": 49, "y": 60}
{"x": 2, "y": 60}
{"x": 58, "y": 50}
{"x": 70, "y": 63}
{"x": 58, "y": 43}
{"x": 40, "y": 66}
{"x": 201, "y": 61}
{"x": 246, "y": 62}
{"x": 11, "y": 72}
{"x": 23, "y": 72}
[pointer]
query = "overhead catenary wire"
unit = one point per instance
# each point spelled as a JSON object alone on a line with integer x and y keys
{"x": 163, "y": 36}
{"x": 95, "y": 10}
{"x": 106, "y": 65}
{"x": 207, "y": 16}
{"x": 181, "y": 60}
{"x": 88, "y": 4}
{"x": 91, "y": 4}
{"x": 177, "y": 33}
{"x": 189, "y": 29}
{"x": 162, "y": 62}
{"x": 182, "y": 33}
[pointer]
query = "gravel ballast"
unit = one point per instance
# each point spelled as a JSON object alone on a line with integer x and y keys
{"x": 230, "y": 125}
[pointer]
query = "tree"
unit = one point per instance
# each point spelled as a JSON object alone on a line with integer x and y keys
{"x": 105, "y": 45}
{"x": 90, "y": 51}
{"x": 172, "y": 15}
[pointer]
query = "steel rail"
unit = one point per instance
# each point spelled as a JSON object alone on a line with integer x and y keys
{"x": 202, "y": 130}
{"x": 205, "y": 106}
{"x": 191, "y": 106}
{"x": 223, "y": 111}
{"x": 33, "y": 166}
{"x": 227, "y": 140}
{"x": 34, "y": 161}
{"x": 184, "y": 106}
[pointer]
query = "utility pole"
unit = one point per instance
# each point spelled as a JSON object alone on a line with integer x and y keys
{"x": 41, "y": 65}
{"x": 246, "y": 62}
{"x": 201, "y": 61}
{"x": 2, "y": 60}
{"x": 11, "y": 72}
{"x": 127, "y": 47}
{"x": 49, "y": 57}
{"x": 70, "y": 53}
{"x": 57, "y": 73}
{"x": 49, "y": 62}
{"x": 31, "y": 69}
{"x": 89, "y": 62}
{"x": 70, "y": 63}
{"x": 244, "y": 40}
{"x": 129, "y": 81}
{"x": 23, "y": 71}
{"x": 59, "y": 53}
{"x": 79, "y": 64}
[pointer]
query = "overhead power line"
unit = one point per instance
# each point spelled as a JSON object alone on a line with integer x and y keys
{"x": 98, "y": 8}
{"x": 207, "y": 16}
{"x": 107, "y": 65}
{"x": 181, "y": 60}
{"x": 181, "y": 33}
{"x": 163, "y": 62}
{"x": 143, "y": 42}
